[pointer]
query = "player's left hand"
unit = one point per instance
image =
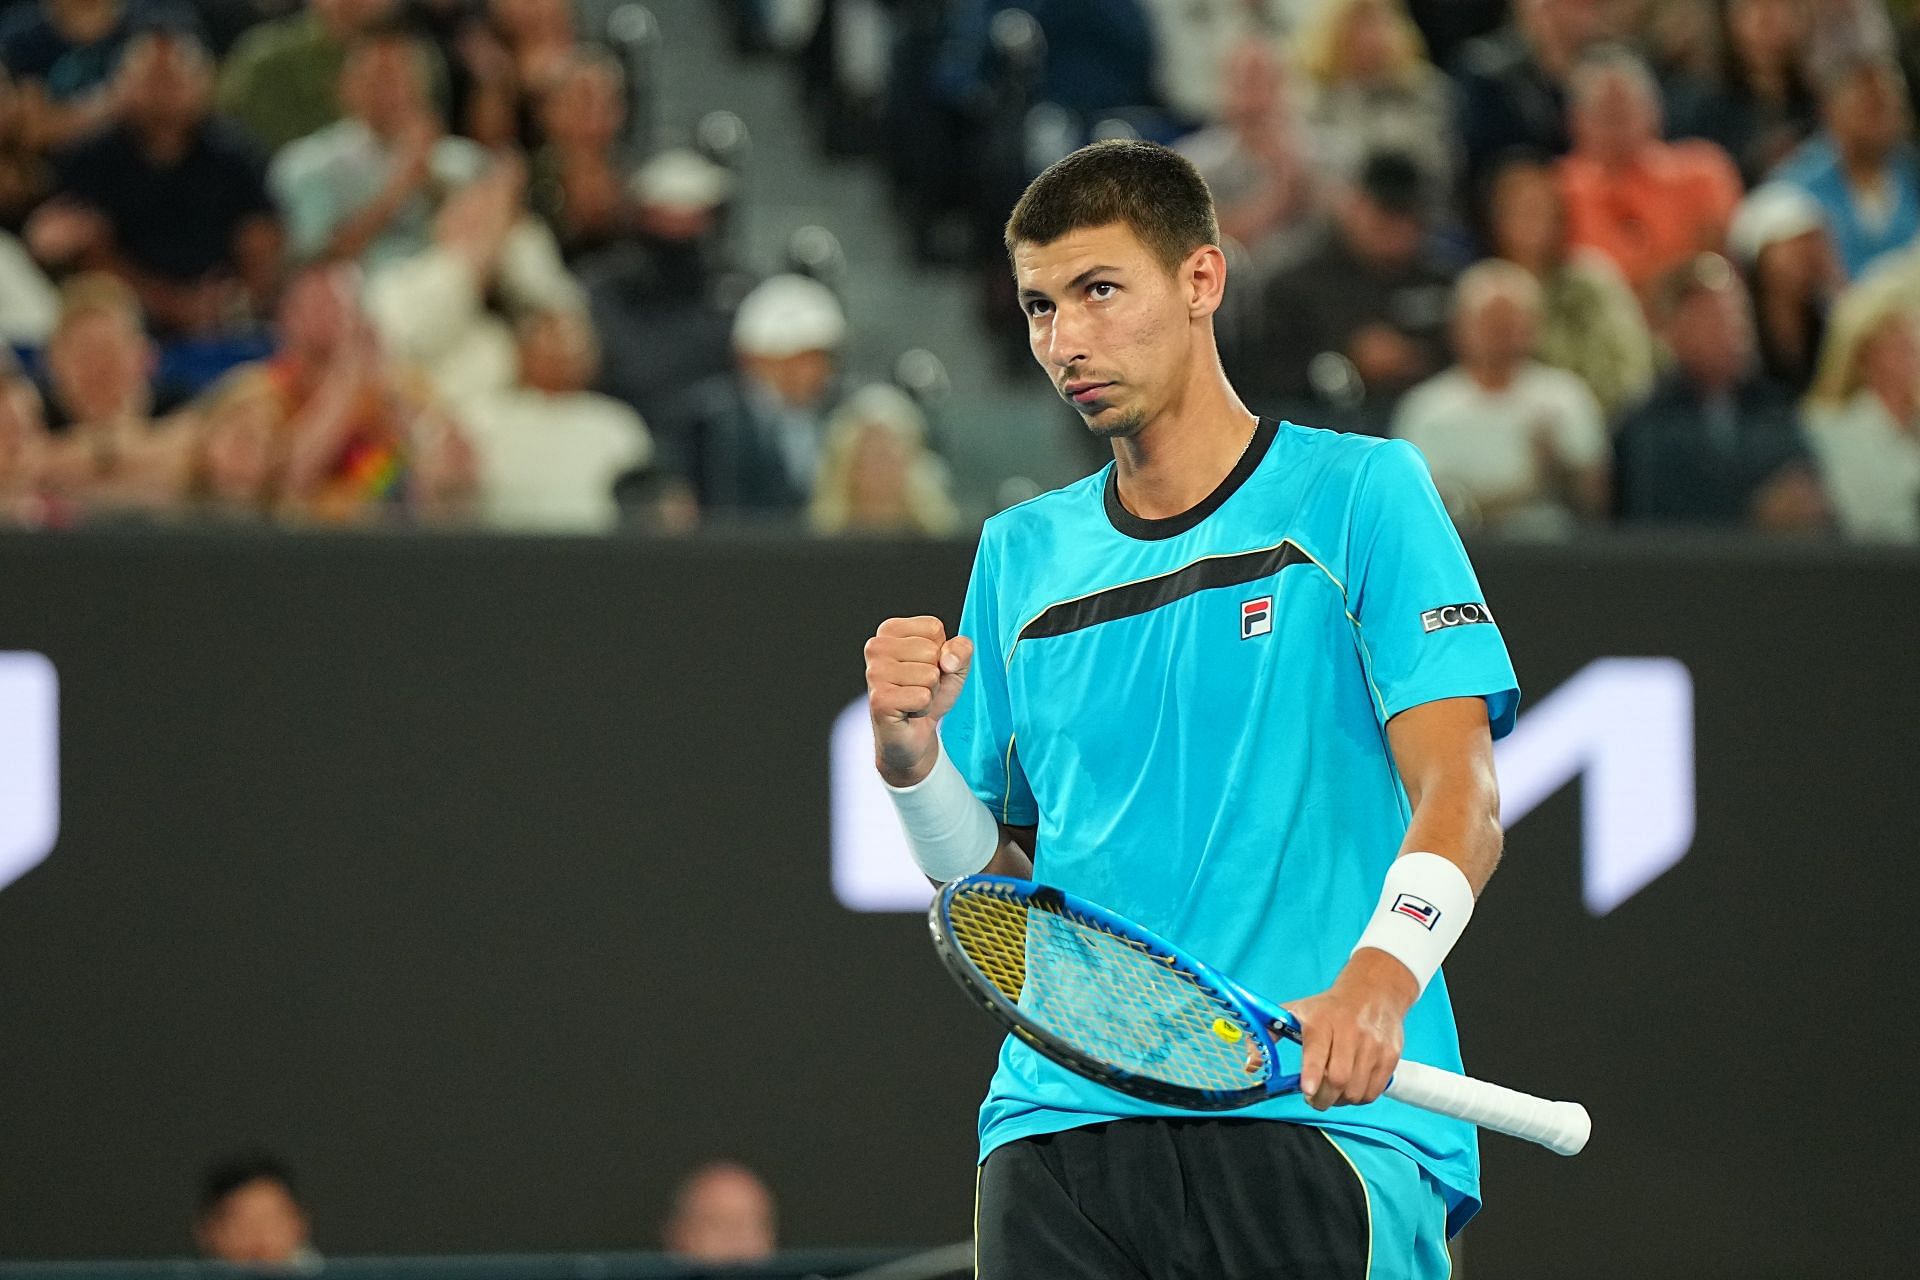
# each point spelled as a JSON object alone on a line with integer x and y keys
{"x": 1350, "y": 1034}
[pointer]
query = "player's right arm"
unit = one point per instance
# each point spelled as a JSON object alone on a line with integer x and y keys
{"x": 914, "y": 676}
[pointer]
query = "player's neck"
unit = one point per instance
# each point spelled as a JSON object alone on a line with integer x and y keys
{"x": 1170, "y": 465}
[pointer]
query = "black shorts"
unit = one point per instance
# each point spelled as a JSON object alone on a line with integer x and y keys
{"x": 1155, "y": 1199}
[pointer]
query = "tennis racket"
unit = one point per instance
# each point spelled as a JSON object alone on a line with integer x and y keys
{"x": 1103, "y": 997}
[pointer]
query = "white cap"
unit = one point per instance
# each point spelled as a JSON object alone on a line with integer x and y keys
{"x": 679, "y": 178}
{"x": 786, "y": 315}
{"x": 1775, "y": 211}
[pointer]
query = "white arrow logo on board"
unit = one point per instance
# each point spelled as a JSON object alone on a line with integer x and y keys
{"x": 1622, "y": 726}
{"x": 29, "y": 763}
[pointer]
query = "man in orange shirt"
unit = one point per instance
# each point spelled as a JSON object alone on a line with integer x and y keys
{"x": 1647, "y": 204}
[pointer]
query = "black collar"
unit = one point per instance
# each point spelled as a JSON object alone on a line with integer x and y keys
{"x": 1135, "y": 526}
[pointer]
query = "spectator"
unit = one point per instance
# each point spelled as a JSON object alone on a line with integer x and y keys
{"x": 169, "y": 200}
{"x": 436, "y": 309}
{"x": 282, "y": 80}
{"x": 1862, "y": 167}
{"x": 722, "y": 1214}
{"x": 483, "y": 98}
{"x": 28, "y": 300}
{"x": 1715, "y": 444}
{"x": 351, "y": 420}
{"x": 1362, "y": 317}
{"x": 551, "y": 450}
{"x": 1193, "y": 39}
{"x": 365, "y": 188}
{"x": 535, "y": 37}
{"x": 1848, "y": 31}
{"x": 24, "y": 449}
{"x": 111, "y": 455}
{"x": 754, "y": 439}
{"x": 1864, "y": 413}
{"x": 25, "y": 176}
{"x": 877, "y": 475}
{"x": 578, "y": 183}
{"x": 1512, "y": 83}
{"x": 679, "y": 197}
{"x": 1513, "y": 444}
{"x": 239, "y": 467}
{"x": 1374, "y": 90}
{"x": 250, "y": 1214}
{"x": 1779, "y": 237}
{"x": 61, "y": 54}
{"x": 1591, "y": 324}
{"x": 1680, "y": 39}
{"x": 1646, "y": 204}
{"x": 98, "y": 365}
{"x": 1761, "y": 104}
{"x": 661, "y": 290}
{"x": 1257, "y": 161}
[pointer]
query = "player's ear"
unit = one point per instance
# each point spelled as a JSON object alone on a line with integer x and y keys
{"x": 1204, "y": 275}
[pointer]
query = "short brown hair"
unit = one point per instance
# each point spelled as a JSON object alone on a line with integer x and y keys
{"x": 96, "y": 293}
{"x": 1156, "y": 192}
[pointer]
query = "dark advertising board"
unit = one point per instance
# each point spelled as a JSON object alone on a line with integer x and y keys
{"x": 495, "y": 884}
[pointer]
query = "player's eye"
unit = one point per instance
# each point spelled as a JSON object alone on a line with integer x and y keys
{"x": 1038, "y": 307}
{"x": 1102, "y": 290}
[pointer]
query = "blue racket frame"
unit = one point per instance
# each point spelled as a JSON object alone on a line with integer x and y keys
{"x": 1256, "y": 1017}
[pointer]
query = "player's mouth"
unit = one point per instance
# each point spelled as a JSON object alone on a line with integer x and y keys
{"x": 1085, "y": 394}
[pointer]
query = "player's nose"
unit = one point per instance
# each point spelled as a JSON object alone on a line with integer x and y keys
{"x": 1066, "y": 348}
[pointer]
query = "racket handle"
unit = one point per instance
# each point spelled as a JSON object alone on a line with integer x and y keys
{"x": 1561, "y": 1127}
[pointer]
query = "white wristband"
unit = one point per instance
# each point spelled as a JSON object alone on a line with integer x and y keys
{"x": 1424, "y": 908}
{"x": 950, "y": 832}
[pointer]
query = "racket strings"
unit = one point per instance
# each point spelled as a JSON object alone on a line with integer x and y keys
{"x": 1108, "y": 995}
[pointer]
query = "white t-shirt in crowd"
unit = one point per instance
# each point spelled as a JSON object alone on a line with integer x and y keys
{"x": 549, "y": 462}
{"x": 29, "y": 303}
{"x": 1479, "y": 444}
{"x": 1872, "y": 469}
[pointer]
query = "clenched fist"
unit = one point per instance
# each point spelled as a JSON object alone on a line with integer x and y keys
{"x": 914, "y": 673}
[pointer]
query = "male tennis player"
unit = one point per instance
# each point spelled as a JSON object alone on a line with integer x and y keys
{"x": 1240, "y": 686}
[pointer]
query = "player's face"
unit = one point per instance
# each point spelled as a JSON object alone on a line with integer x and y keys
{"x": 1108, "y": 322}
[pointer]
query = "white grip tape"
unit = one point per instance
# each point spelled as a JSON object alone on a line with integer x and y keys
{"x": 1561, "y": 1127}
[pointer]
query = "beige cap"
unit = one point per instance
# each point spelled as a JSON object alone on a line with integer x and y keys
{"x": 679, "y": 178}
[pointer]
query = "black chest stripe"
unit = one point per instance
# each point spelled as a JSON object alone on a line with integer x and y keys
{"x": 1143, "y": 597}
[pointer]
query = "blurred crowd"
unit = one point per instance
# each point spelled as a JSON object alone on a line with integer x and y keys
{"x": 251, "y": 1213}
{"x": 430, "y": 261}
{"x": 1604, "y": 261}
{"x": 362, "y": 261}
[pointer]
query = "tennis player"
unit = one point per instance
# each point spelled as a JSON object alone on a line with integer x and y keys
{"x": 1241, "y": 686}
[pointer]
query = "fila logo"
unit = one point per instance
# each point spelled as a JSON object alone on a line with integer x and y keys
{"x": 1454, "y": 615}
{"x": 1419, "y": 910}
{"x": 1256, "y": 617}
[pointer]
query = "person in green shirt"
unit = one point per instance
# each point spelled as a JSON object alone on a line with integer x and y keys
{"x": 280, "y": 80}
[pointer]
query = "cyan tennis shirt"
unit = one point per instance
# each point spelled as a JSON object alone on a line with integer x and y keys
{"x": 1192, "y": 711}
